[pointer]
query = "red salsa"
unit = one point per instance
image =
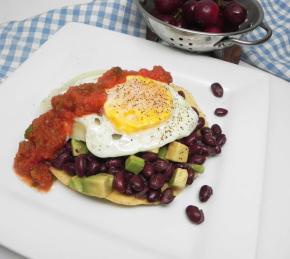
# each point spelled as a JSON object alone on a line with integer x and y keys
{"x": 49, "y": 132}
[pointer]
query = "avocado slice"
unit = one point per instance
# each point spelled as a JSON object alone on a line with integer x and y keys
{"x": 162, "y": 152}
{"x": 134, "y": 164}
{"x": 197, "y": 168}
{"x": 76, "y": 183}
{"x": 99, "y": 185}
{"x": 79, "y": 147}
{"x": 179, "y": 178}
{"x": 177, "y": 152}
{"x": 78, "y": 131}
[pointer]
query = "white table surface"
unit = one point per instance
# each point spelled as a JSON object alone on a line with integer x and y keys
{"x": 28, "y": 8}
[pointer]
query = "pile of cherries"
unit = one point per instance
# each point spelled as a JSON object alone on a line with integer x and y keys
{"x": 214, "y": 16}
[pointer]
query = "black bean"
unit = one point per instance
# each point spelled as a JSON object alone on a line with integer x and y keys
{"x": 168, "y": 172}
{"x": 205, "y": 150}
{"x": 194, "y": 214}
{"x": 93, "y": 167}
{"x": 191, "y": 175}
{"x": 206, "y": 130}
{"x": 136, "y": 183}
{"x": 217, "y": 149}
{"x": 129, "y": 190}
{"x": 148, "y": 170}
{"x": 197, "y": 159}
{"x": 208, "y": 139}
{"x": 181, "y": 93}
{"x": 200, "y": 123}
{"x": 91, "y": 157}
{"x": 103, "y": 167}
{"x": 181, "y": 165}
{"x": 128, "y": 175}
{"x": 68, "y": 147}
{"x": 113, "y": 170}
{"x": 144, "y": 179}
{"x": 217, "y": 89}
{"x": 191, "y": 139}
{"x": 149, "y": 156}
{"x": 198, "y": 149}
{"x": 153, "y": 195}
{"x": 221, "y": 140}
{"x": 114, "y": 163}
{"x": 60, "y": 160}
{"x": 216, "y": 130}
{"x": 119, "y": 182}
{"x": 156, "y": 181}
{"x": 167, "y": 196}
{"x": 205, "y": 192}
{"x": 142, "y": 194}
{"x": 69, "y": 167}
{"x": 81, "y": 165}
{"x": 59, "y": 152}
{"x": 220, "y": 112}
{"x": 160, "y": 166}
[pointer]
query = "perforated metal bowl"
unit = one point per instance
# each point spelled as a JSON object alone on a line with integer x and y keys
{"x": 197, "y": 41}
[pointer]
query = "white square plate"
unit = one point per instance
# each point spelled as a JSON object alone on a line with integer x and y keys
{"x": 63, "y": 224}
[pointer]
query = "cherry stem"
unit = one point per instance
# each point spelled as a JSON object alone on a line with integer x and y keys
{"x": 220, "y": 2}
{"x": 178, "y": 14}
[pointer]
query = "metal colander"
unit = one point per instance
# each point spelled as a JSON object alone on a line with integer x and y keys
{"x": 197, "y": 41}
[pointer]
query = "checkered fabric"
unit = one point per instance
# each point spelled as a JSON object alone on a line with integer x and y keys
{"x": 274, "y": 55}
{"x": 18, "y": 39}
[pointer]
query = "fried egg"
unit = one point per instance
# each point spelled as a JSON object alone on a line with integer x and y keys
{"x": 139, "y": 115}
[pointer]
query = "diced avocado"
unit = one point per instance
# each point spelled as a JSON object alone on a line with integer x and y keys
{"x": 78, "y": 131}
{"x": 76, "y": 183}
{"x": 61, "y": 175}
{"x": 197, "y": 168}
{"x": 154, "y": 150}
{"x": 99, "y": 185}
{"x": 134, "y": 164}
{"x": 177, "y": 152}
{"x": 162, "y": 152}
{"x": 28, "y": 131}
{"x": 79, "y": 147}
{"x": 179, "y": 178}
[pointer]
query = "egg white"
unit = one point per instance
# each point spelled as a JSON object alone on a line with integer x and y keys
{"x": 103, "y": 140}
{"x": 100, "y": 137}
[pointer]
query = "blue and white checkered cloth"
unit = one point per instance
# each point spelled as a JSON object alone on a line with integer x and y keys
{"x": 18, "y": 39}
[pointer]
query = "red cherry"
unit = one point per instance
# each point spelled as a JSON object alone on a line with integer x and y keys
{"x": 235, "y": 13}
{"x": 206, "y": 13}
{"x": 168, "y": 6}
{"x": 188, "y": 11}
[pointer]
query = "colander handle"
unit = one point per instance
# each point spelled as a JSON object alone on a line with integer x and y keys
{"x": 255, "y": 42}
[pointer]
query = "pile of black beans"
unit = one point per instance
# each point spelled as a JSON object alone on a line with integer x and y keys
{"x": 202, "y": 142}
{"x": 146, "y": 185}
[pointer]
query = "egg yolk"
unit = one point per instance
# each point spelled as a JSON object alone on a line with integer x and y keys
{"x": 139, "y": 103}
